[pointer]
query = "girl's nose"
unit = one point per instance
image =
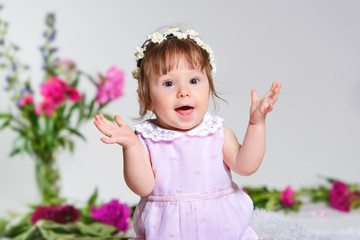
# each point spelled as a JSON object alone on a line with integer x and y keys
{"x": 183, "y": 92}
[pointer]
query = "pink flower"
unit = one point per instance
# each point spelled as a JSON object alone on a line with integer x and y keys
{"x": 28, "y": 99}
{"x": 73, "y": 94}
{"x": 55, "y": 91}
{"x": 340, "y": 196}
{"x": 113, "y": 213}
{"x": 110, "y": 87}
{"x": 287, "y": 197}
{"x": 59, "y": 214}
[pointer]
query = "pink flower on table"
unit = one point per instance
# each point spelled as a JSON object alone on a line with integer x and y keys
{"x": 340, "y": 196}
{"x": 110, "y": 87}
{"x": 113, "y": 213}
{"x": 59, "y": 214}
{"x": 287, "y": 197}
{"x": 28, "y": 99}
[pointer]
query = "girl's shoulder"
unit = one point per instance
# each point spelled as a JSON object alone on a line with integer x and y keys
{"x": 209, "y": 125}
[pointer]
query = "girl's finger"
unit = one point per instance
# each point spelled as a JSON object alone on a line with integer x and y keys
{"x": 119, "y": 121}
{"x": 105, "y": 120}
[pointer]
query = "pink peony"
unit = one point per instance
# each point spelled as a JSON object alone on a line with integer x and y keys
{"x": 113, "y": 213}
{"x": 110, "y": 87}
{"x": 28, "y": 99}
{"x": 287, "y": 198}
{"x": 59, "y": 214}
{"x": 340, "y": 196}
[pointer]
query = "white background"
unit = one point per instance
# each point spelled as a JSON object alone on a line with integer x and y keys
{"x": 312, "y": 47}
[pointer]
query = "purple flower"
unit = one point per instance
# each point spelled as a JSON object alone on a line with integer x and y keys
{"x": 287, "y": 198}
{"x": 110, "y": 87}
{"x": 113, "y": 213}
{"x": 340, "y": 196}
{"x": 59, "y": 214}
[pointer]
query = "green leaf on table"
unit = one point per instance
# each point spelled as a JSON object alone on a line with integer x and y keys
{"x": 96, "y": 229}
{"x": 30, "y": 234}
{"x": 19, "y": 227}
{"x": 51, "y": 235}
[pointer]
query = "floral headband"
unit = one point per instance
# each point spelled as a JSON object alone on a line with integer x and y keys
{"x": 171, "y": 33}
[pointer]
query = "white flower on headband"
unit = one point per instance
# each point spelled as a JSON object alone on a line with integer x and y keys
{"x": 135, "y": 73}
{"x": 192, "y": 34}
{"x": 156, "y": 37}
{"x": 159, "y": 38}
{"x": 172, "y": 31}
{"x": 139, "y": 53}
{"x": 180, "y": 35}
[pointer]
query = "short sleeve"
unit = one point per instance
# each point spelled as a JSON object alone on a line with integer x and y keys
{"x": 142, "y": 141}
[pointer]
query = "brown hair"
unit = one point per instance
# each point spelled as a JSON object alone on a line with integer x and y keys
{"x": 162, "y": 58}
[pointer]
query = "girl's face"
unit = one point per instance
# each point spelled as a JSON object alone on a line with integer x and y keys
{"x": 179, "y": 98}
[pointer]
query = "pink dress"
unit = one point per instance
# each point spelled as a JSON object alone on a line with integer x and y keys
{"x": 194, "y": 196}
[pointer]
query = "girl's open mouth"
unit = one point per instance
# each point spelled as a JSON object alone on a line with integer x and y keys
{"x": 184, "y": 110}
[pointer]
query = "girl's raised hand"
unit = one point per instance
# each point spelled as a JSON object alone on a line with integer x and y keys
{"x": 121, "y": 133}
{"x": 259, "y": 109}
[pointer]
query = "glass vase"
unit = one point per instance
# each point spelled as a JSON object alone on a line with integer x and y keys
{"x": 47, "y": 177}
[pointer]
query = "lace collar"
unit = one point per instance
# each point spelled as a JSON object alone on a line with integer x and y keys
{"x": 209, "y": 125}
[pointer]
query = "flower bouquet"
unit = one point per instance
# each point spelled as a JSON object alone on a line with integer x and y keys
{"x": 66, "y": 222}
{"x": 46, "y": 125}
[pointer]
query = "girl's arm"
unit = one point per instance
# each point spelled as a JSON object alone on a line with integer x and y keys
{"x": 138, "y": 173}
{"x": 246, "y": 159}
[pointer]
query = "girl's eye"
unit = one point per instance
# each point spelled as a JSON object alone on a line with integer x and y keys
{"x": 168, "y": 84}
{"x": 194, "y": 81}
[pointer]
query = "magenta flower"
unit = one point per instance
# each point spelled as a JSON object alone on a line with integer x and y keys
{"x": 28, "y": 99}
{"x": 59, "y": 214}
{"x": 55, "y": 91}
{"x": 110, "y": 87}
{"x": 73, "y": 94}
{"x": 113, "y": 213}
{"x": 287, "y": 197}
{"x": 340, "y": 196}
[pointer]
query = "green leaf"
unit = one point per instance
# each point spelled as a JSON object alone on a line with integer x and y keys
{"x": 108, "y": 117}
{"x": 15, "y": 152}
{"x": 30, "y": 234}
{"x": 51, "y": 235}
{"x": 5, "y": 115}
{"x": 73, "y": 131}
{"x": 19, "y": 227}
{"x": 3, "y": 224}
{"x": 91, "y": 109}
{"x": 96, "y": 229}
{"x": 5, "y": 124}
{"x": 93, "y": 197}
